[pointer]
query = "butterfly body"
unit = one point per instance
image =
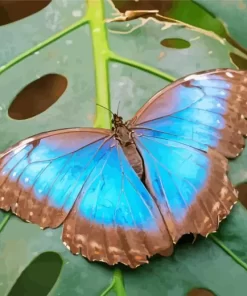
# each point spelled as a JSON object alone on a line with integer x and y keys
{"x": 128, "y": 193}
{"x": 124, "y": 135}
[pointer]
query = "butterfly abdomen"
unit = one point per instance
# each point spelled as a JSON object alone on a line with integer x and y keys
{"x": 134, "y": 159}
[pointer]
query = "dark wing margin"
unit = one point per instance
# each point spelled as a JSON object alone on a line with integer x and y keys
{"x": 184, "y": 134}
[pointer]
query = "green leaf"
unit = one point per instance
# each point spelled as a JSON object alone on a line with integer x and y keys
{"x": 223, "y": 10}
{"x": 216, "y": 17}
{"x": 107, "y": 63}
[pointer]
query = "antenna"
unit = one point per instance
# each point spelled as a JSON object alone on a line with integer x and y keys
{"x": 105, "y": 108}
{"x": 118, "y": 107}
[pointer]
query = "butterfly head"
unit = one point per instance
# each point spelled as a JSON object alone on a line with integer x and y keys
{"x": 117, "y": 121}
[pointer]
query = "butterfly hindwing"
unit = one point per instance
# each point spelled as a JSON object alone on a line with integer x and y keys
{"x": 184, "y": 134}
{"x": 81, "y": 178}
{"x": 115, "y": 219}
{"x": 190, "y": 186}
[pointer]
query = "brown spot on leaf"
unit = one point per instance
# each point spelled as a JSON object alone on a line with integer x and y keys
{"x": 161, "y": 55}
{"x": 200, "y": 292}
{"x": 14, "y": 10}
{"x": 176, "y": 43}
{"x": 38, "y": 96}
{"x": 241, "y": 4}
{"x": 91, "y": 117}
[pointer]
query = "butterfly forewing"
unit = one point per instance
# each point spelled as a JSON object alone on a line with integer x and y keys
{"x": 40, "y": 177}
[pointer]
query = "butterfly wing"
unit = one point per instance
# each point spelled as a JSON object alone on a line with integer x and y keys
{"x": 115, "y": 219}
{"x": 81, "y": 177}
{"x": 40, "y": 177}
{"x": 206, "y": 109}
{"x": 184, "y": 134}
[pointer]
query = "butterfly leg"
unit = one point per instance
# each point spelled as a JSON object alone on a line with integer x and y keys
{"x": 195, "y": 237}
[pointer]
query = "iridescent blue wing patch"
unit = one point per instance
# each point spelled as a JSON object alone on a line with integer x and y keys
{"x": 190, "y": 186}
{"x": 184, "y": 134}
{"x": 114, "y": 218}
{"x": 202, "y": 110}
{"x": 81, "y": 177}
{"x": 41, "y": 177}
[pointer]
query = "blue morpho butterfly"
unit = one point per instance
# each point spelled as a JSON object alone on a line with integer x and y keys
{"x": 127, "y": 194}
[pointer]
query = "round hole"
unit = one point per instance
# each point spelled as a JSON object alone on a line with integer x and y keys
{"x": 12, "y": 11}
{"x": 242, "y": 195}
{"x": 200, "y": 292}
{"x": 176, "y": 43}
{"x": 37, "y": 96}
{"x": 39, "y": 277}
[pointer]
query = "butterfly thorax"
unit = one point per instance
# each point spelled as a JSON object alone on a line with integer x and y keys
{"x": 124, "y": 135}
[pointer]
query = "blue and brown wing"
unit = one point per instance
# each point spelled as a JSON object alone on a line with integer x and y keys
{"x": 184, "y": 134}
{"x": 40, "y": 177}
{"x": 115, "y": 219}
{"x": 207, "y": 109}
{"x": 82, "y": 179}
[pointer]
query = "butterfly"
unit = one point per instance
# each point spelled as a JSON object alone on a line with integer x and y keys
{"x": 128, "y": 193}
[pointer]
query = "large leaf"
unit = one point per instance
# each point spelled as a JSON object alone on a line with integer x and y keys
{"x": 216, "y": 17}
{"x": 105, "y": 63}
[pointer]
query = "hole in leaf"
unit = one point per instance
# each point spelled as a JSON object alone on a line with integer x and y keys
{"x": 38, "y": 96}
{"x": 200, "y": 292}
{"x": 39, "y": 277}
{"x": 186, "y": 11}
{"x": 239, "y": 61}
{"x": 12, "y": 11}
{"x": 175, "y": 43}
{"x": 242, "y": 195}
